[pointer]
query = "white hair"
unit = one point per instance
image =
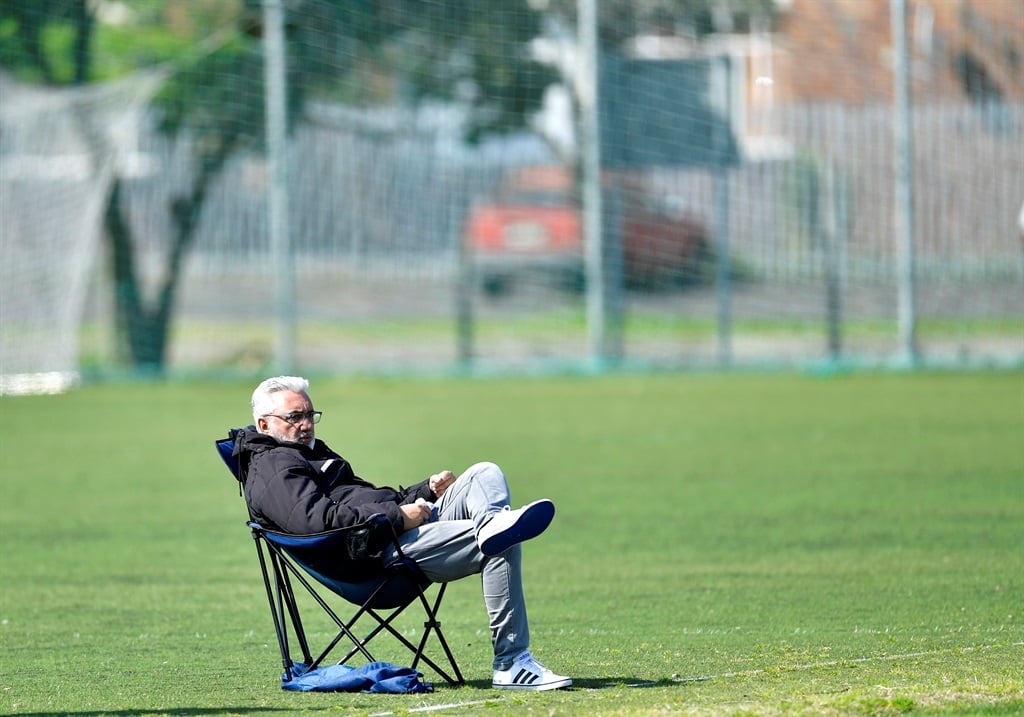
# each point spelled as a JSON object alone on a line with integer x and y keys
{"x": 261, "y": 403}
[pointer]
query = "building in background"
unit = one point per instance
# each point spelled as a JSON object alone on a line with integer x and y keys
{"x": 962, "y": 50}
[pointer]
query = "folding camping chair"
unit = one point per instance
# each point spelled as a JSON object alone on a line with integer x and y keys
{"x": 284, "y": 561}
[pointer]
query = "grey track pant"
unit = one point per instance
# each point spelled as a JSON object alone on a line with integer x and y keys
{"x": 446, "y": 549}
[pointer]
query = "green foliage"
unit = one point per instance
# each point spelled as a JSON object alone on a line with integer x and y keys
{"x": 733, "y": 544}
{"x": 358, "y": 51}
{"x": 38, "y": 39}
{"x": 218, "y": 97}
{"x": 121, "y": 50}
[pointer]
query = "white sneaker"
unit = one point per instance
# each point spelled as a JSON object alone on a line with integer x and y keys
{"x": 509, "y": 527}
{"x": 528, "y": 674}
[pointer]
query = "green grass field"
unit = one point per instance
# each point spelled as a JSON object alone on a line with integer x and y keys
{"x": 725, "y": 544}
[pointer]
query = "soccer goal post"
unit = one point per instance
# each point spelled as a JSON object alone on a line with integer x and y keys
{"x": 59, "y": 149}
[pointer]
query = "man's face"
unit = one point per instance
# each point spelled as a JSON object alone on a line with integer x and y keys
{"x": 286, "y": 404}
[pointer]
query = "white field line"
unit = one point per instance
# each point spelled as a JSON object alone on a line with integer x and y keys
{"x": 833, "y": 663}
{"x": 434, "y": 708}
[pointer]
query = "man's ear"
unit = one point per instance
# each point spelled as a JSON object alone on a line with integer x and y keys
{"x": 262, "y": 424}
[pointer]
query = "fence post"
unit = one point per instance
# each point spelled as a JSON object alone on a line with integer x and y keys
{"x": 282, "y": 259}
{"x": 465, "y": 288}
{"x": 590, "y": 163}
{"x": 833, "y": 236}
{"x": 904, "y": 183}
{"x": 721, "y": 98}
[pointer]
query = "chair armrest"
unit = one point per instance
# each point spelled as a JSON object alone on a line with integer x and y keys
{"x": 355, "y": 539}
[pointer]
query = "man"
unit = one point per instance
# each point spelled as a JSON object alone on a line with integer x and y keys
{"x": 452, "y": 527}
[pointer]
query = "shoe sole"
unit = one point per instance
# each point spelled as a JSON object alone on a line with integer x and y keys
{"x": 535, "y": 519}
{"x": 536, "y": 688}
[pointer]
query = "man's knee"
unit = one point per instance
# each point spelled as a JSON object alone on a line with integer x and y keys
{"x": 485, "y": 470}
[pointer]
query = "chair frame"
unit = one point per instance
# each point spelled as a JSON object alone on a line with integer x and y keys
{"x": 281, "y": 570}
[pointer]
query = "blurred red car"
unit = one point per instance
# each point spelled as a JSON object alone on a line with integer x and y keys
{"x": 533, "y": 224}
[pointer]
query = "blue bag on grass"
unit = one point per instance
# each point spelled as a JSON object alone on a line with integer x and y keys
{"x": 374, "y": 677}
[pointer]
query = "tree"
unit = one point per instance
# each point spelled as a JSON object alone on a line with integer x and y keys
{"x": 24, "y": 49}
{"x": 142, "y": 328}
{"x": 218, "y": 100}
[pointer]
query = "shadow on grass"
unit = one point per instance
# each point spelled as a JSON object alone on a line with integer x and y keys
{"x": 608, "y": 683}
{"x": 578, "y": 683}
{"x": 169, "y": 712}
{"x": 481, "y": 685}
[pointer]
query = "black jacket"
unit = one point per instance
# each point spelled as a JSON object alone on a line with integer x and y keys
{"x": 303, "y": 490}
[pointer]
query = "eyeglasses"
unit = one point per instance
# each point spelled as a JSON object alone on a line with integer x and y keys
{"x": 297, "y": 417}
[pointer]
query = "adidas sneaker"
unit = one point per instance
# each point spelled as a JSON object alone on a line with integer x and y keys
{"x": 528, "y": 674}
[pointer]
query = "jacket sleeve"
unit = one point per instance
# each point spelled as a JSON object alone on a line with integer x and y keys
{"x": 418, "y": 490}
{"x": 284, "y": 492}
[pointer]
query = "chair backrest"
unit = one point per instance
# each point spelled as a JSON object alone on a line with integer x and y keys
{"x": 226, "y": 449}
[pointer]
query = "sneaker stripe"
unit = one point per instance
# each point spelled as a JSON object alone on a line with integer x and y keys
{"x": 525, "y": 677}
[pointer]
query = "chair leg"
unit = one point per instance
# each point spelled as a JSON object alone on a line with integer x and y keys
{"x": 275, "y": 609}
{"x": 435, "y": 625}
{"x": 344, "y": 629}
{"x": 382, "y": 624}
{"x": 288, "y": 594}
{"x": 432, "y": 624}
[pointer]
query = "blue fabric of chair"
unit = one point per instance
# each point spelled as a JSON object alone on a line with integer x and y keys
{"x": 285, "y": 564}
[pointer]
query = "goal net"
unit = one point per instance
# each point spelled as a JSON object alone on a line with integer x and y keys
{"x": 58, "y": 151}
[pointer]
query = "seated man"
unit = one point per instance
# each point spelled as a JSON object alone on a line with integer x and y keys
{"x": 452, "y": 527}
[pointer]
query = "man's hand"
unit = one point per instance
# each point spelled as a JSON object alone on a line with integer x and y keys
{"x": 439, "y": 482}
{"x": 415, "y": 514}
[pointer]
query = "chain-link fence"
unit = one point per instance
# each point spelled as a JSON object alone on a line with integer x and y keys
{"x": 436, "y": 217}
